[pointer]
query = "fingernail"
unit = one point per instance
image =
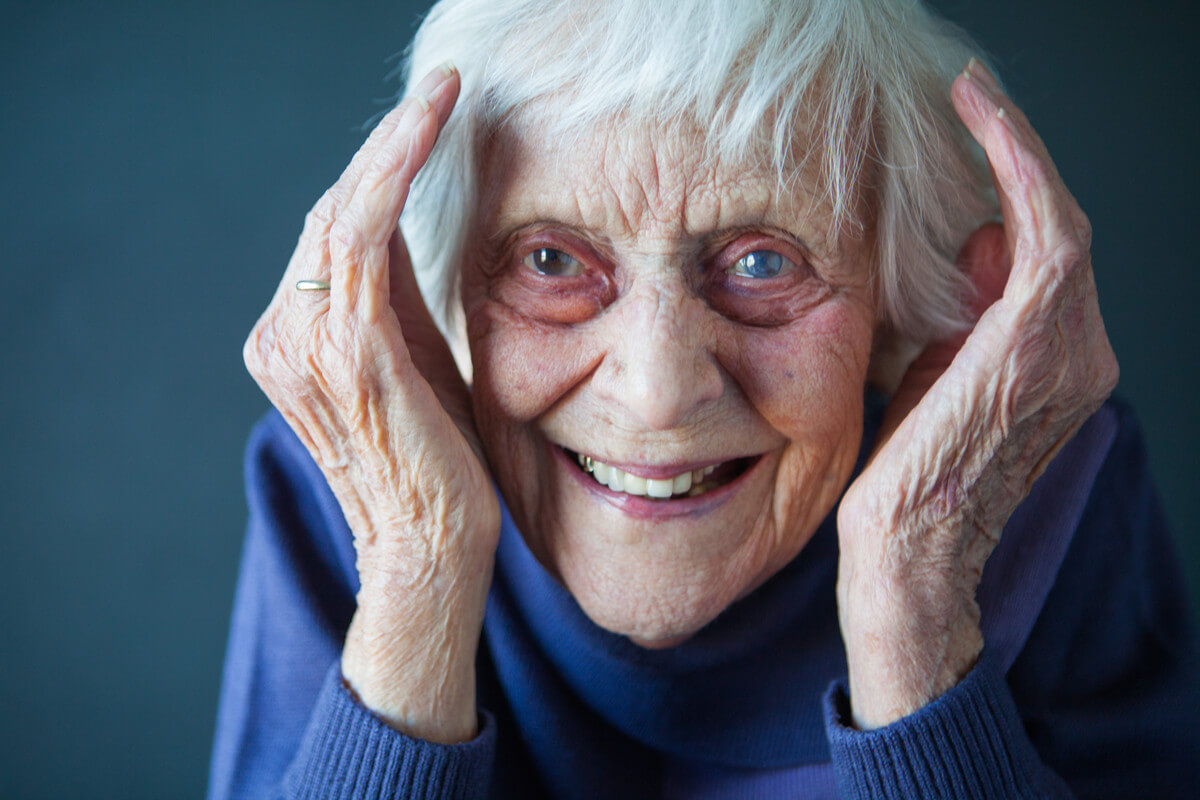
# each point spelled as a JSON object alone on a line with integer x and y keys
{"x": 413, "y": 111}
{"x": 1004, "y": 117}
{"x": 979, "y": 70}
{"x": 447, "y": 67}
{"x": 436, "y": 77}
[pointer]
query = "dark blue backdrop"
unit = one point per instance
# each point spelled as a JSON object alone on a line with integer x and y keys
{"x": 157, "y": 161}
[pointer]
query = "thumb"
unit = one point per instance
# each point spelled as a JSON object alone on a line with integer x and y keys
{"x": 427, "y": 347}
{"x": 984, "y": 258}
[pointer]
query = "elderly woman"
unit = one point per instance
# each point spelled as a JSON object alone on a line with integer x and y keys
{"x": 668, "y": 537}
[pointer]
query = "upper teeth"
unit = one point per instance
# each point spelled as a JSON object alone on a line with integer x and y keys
{"x": 620, "y": 481}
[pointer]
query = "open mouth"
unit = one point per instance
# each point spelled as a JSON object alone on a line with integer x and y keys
{"x": 690, "y": 483}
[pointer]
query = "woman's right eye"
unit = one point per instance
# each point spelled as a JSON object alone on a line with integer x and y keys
{"x": 553, "y": 263}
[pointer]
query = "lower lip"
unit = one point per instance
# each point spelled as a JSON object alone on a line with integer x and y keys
{"x": 647, "y": 508}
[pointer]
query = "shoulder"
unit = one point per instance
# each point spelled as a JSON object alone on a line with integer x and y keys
{"x": 1121, "y": 546}
{"x": 275, "y": 458}
{"x": 291, "y": 506}
{"x": 1121, "y": 578}
{"x": 1107, "y": 680}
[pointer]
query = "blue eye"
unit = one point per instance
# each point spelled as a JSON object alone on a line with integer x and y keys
{"x": 761, "y": 264}
{"x": 554, "y": 263}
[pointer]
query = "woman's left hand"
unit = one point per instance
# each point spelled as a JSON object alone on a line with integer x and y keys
{"x": 974, "y": 423}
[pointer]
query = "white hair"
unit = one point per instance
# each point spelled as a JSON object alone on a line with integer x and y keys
{"x": 866, "y": 83}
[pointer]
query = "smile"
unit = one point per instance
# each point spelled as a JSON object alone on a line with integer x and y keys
{"x": 689, "y": 483}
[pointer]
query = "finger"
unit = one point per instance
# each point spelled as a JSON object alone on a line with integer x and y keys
{"x": 344, "y": 188}
{"x": 1039, "y": 213}
{"x": 990, "y": 98}
{"x": 359, "y": 236}
{"x": 404, "y": 294}
{"x": 982, "y": 78}
{"x": 1023, "y": 174}
{"x": 382, "y": 187}
{"x": 428, "y": 349}
{"x": 1025, "y": 131}
{"x": 313, "y": 238}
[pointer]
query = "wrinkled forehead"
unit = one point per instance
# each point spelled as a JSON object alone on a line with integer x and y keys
{"x": 628, "y": 177}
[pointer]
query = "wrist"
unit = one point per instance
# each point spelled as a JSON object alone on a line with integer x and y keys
{"x": 905, "y": 648}
{"x": 410, "y": 650}
{"x": 420, "y": 679}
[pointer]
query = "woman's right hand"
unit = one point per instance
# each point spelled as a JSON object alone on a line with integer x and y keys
{"x": 369, "y": 385}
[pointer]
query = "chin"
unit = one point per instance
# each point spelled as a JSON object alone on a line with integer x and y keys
{"x": 655, "y": 571}
{"x": 659, "y": 617}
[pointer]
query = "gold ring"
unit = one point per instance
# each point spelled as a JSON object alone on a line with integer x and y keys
{"x": 313, "y": 286}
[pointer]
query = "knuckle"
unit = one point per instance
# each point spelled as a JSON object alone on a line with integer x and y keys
{"x": 1071, "y": 253}
{"x": 273, "y": 353}
{"x": 1095, "y": 374}
{"x": 287, "y": 372}
{"x": 321, "y": 214}
{"x": 345, "y": 235}
{"x": 390, "y": 158}
{"x": 1083, "y": 228}
{"x": 345, "y": 238}
{"x": 257, "y": 349}
{"x": 252, "y": 354}
{"x": 316, "y": 222}
{"x": 1108, "y": 373}
{"x": 1037, "y": 170}
{"x": 1067, "y": 260}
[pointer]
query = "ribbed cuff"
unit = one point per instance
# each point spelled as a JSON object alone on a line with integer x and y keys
{"x": 968, "y": 743}
{"x": 348, "y": 753}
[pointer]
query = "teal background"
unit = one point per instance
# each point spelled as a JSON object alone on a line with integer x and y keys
{"x": 157, "y": 160}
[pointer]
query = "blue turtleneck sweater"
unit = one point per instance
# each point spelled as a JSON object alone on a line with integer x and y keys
{"x": 1087, "y": 685}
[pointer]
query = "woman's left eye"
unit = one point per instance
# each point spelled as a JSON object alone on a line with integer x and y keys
{"x": 554, "y": 263}
{"x": 761, "y": 264}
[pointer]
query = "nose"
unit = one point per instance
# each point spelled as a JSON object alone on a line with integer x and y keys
{"x": 660, "y": 366}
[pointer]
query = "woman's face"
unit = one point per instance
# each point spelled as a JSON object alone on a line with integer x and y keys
{"x": 684, "y": 328}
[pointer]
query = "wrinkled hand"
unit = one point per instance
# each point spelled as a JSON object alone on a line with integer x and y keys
{"x": 973, "y": 424}
{"x": 370, "y": 387}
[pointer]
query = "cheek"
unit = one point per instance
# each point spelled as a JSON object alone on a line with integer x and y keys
{"x": 806, "y": 378}
{"x": 521, "y": 367}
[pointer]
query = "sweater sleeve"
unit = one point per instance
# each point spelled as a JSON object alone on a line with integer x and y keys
{"x": 287, "y": 726}
{"x": 348, "y": 753}
{"x": 967, "y": 743}
{"x": 1101, "y": 702}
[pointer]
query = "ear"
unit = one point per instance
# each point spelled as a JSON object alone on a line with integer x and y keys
{"x": 984, "y": 258}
